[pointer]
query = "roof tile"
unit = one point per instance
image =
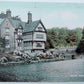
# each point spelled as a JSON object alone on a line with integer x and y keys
{"x": 26, "y": 27}
{"x": 31, "y": 26}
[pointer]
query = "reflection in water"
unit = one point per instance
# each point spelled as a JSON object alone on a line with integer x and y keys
{"x": 69, "y": 71}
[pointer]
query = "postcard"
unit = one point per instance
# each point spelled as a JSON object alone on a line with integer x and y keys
{"x": 41, "y": 41}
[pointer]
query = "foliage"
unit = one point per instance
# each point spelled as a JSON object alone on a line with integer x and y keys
{"x": 78, "y": 34}
{"x": 11, "y": 53}
{"x": 58, "y": 37}
{"x": 71, "y": 38}
{"x": 80, "y": 48}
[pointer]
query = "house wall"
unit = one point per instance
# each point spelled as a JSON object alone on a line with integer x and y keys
{"x": 7, "y": 24}
{"x": 16, "y": 43}
{"x": 18, "y": 38}
{"x": 39, "y": 25}
{"x": 27, "y": 37}
{"x": 39, "y": 37}
{"x": 27, "y": 41}
{"x": 34, "y": 39}
{"x": 20, "y": 46}
{"x": 27, "y": 46}
{"x": 35, "y": 45}
{"x": 37, "y": 34}
{"x": 30, "y": 43}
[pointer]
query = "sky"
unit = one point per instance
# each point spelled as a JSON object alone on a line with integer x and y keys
{"x": 53, "y": 14}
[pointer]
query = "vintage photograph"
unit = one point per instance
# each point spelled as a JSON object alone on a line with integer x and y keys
{"x": 41, "y": 41}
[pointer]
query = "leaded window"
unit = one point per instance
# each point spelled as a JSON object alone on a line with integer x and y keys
{"x": 38, "y": 45}
{"x": 39, "y": 36}
{"x": 40, "y": 28}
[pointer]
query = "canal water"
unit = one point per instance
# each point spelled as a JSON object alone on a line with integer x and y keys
{"x": 61, "y": 71}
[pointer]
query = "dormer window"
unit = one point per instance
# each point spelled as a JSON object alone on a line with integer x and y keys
{"x": 19, "y": 26}
{"x": 19, "y": 30}
{"x": 40, "y": 29}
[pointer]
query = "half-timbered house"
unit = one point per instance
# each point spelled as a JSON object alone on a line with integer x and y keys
{"x": 22, "y": 36}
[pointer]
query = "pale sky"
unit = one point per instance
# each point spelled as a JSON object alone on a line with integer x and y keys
{"x": 54, "y": 14}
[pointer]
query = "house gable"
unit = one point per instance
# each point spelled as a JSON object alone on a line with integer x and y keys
{"x": 7, "y": 32}
{"x": 1, "y": 21}
{"x": 6, "y": 24}
{"x": 40, "y": 27}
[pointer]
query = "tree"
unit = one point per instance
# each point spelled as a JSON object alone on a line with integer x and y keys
{"x": 71, "y": 38}
{"x": 50, "y": 42}
{"x": 80, "y": 48}
{"x": 78, "y": 34}
{"x": 47, "y": 45}
{"x": 63, "y": 37}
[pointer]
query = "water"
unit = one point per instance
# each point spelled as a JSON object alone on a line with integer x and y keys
{"x": 61, "y": 71}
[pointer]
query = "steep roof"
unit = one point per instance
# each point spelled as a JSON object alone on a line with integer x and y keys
{"x": 2, "y": 15}
{"x": 16, "y": 23}
{"x": 26, "y": 27}
{"x": 31, "y": 26}
{"x": 1, "y": 20}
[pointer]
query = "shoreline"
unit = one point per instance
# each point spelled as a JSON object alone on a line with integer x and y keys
{"x": 38, "y": 61}
{"x": 31, "y": 62}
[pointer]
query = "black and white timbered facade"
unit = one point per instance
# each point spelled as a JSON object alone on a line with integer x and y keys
{"x": 36, "y": 38}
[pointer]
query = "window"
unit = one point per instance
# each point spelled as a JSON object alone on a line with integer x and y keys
{"x": 7, "y": 37}
{"x": 20, "y": 27}
{"x": 19, "y": 30}
{"x": 39, "y": 36}
{"x": 7, "y": 30}
{"x": 19, "y": 33}
{"x": 40, "y": 28}
{"x": 19, "y": 41}
{"x": 19, "y": 44}
{"x": 7, "y": 45}
{"x": 25, "y": 43}
{"x": 38, "y": 45}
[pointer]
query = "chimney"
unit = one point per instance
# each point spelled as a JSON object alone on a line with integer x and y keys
{"x": 8, "y": 13}
{"x": 29, "y": 17}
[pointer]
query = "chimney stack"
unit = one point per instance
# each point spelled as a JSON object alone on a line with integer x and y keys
{"x": 8, "y": 13}
{"x": 29, "y": 17}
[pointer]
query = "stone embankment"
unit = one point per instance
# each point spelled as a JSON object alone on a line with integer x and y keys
{"x": 30, "y": 62}
{"x": 38, "y": 57}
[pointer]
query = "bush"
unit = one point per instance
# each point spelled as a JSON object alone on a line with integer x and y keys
{"x": 11, "y": 53}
